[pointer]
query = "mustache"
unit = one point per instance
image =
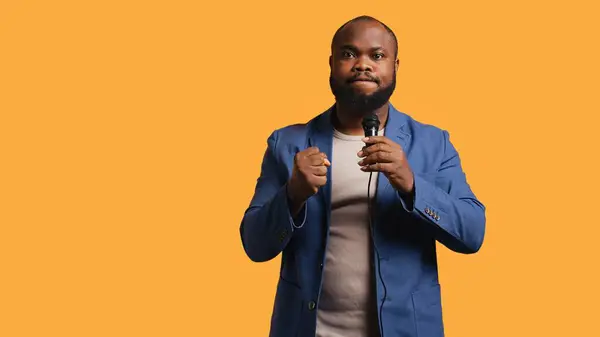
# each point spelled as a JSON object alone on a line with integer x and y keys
{"x": 362, "y": 76}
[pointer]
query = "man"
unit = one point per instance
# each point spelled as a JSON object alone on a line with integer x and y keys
{"x": 357, "y": 220}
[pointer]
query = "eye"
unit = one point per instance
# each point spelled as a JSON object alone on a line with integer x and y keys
{"x": 378, "y": 56}
{"x": 347, "y": 54}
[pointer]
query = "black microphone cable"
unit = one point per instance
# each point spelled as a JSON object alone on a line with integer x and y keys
{"x": 370, "y": 124}
{"x": 370, "y": 207}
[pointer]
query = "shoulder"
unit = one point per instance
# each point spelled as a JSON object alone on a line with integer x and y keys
{"x": 293, "y": 135}
{"x": 424, "y": 140}
{"x": 291, "y": 132}
{"x": 425, "y": 133}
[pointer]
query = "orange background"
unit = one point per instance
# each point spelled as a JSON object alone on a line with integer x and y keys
{"x": 131, "y": 135}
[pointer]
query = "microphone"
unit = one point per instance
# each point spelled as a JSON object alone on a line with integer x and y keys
{"x": 370, "y": 124}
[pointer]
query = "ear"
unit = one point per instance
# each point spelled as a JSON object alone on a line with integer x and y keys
{"x": 397, "y": 64}
{"x": 330, "y": 61}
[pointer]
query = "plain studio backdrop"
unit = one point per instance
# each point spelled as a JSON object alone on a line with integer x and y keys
{"x": 131, "y": 136}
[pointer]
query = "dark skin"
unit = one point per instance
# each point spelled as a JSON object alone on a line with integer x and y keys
{"x": 364, "y": 49}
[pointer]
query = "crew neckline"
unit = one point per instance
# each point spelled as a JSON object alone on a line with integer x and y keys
{"x": 339, "y": 135}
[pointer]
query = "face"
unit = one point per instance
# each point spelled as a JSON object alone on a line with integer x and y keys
{"x": 363, "y": 66}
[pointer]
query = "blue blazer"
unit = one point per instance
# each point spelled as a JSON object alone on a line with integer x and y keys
{"x": 444, "y": 210}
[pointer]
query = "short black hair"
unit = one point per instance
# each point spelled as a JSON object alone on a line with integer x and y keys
{"x": 366, "y": 18}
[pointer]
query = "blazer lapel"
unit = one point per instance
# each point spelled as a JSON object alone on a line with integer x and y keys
{"x": 321, "y": 136}
{"x": 393, "y": 130}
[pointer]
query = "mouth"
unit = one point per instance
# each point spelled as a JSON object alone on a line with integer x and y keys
{"x": 363, "y": 83}
{"x": 362, "y": 80}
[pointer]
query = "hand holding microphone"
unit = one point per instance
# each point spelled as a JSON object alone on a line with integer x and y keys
{"x": 381, "y": 154}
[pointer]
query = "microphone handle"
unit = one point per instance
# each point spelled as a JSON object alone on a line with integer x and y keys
{"x": 371, "y": 132}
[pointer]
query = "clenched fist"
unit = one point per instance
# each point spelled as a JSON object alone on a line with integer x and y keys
{"x": 309, "y": 173}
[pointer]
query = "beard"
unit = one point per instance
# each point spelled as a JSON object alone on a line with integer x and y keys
{"x": 358, "y": 103}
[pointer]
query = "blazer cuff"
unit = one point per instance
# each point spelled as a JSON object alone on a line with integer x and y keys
{"x": 422, "y": 206}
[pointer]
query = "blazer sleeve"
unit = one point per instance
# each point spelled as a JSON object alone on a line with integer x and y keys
{"x": 447, "y": 204}
{"x": 267, "y": 225}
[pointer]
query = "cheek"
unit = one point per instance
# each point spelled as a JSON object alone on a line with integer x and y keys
{"x": 342, "y": 69}
{"x": 386, "y": 73}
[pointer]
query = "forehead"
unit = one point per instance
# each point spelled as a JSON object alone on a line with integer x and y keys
{"x": 364, "y": 34}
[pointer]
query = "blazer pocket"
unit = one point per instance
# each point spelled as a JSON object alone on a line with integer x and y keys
{"x": 427, "y": 308}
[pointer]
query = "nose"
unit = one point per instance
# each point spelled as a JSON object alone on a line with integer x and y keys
{"x": 362, "y": 65}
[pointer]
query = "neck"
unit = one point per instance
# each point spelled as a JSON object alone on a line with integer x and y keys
{"x": 349, "y": 122}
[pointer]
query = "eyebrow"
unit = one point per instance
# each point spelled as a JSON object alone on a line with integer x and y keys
{"x": 353, "y": 48}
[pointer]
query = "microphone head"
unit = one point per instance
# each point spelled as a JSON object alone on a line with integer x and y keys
{"x": 370, "y": 124}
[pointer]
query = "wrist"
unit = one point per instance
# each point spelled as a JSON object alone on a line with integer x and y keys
{"x": 407, "y": 195}
{"x": 295, "y": 202}
{"x": 408, "y": 185}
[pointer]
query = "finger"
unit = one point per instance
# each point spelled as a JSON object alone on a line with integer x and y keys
{"x": 319, "y": 171}
{"x": 327, "y": 162}
{"x": 377, "y": 157}
{"x": 375, "y": 139}
{"x": 305, "y": 153}
{"x": 366, "y": 151}
{"x": 316, "y": 159}
{"x": 321, "y": 155}
{"x": 317, "y": 154}
{"x": 320, "y": 181}
{"x": 377, "y": 167}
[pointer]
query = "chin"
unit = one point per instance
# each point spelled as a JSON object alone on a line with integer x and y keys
{"x": 366, "y": 93}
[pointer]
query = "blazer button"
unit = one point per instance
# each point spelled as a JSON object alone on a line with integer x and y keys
{"x": 311, "y": 305}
